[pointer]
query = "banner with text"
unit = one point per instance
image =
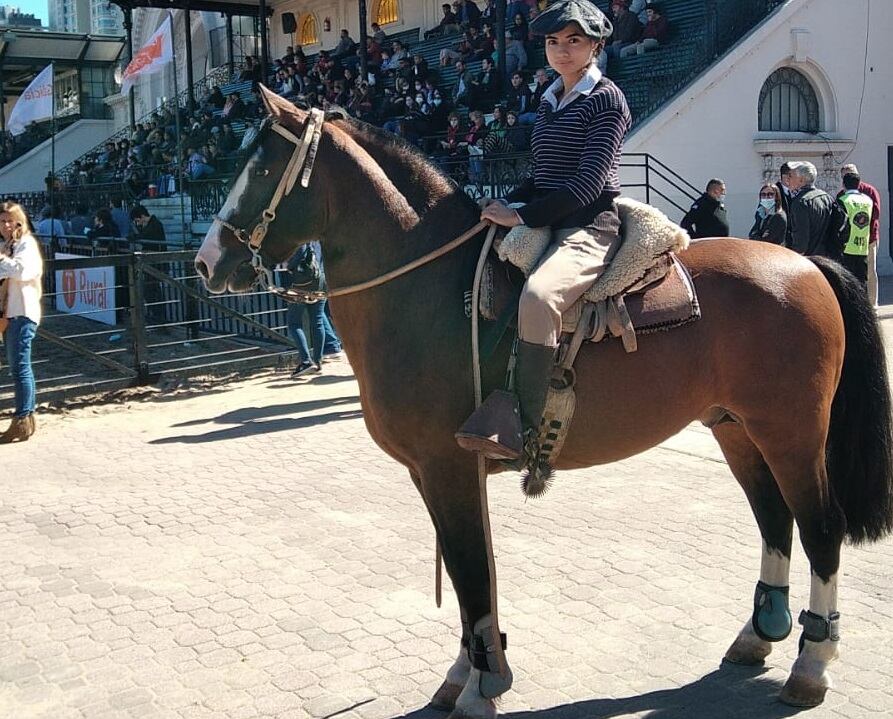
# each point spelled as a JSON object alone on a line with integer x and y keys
{"x": 35, "y": 103}
{"x": 89, "y": 292}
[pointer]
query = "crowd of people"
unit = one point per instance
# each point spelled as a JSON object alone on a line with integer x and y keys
{"x": 796, "y": 214}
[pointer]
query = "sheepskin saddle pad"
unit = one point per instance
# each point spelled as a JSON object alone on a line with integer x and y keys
{"x": 644, "y": 289}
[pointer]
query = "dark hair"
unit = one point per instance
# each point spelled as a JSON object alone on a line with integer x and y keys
{"x": 774, "y": 189}
{"x": 784, "y": 170}
{"x": 851, "y": 181}
{"x": 715, "y": 182}
{"x": 138, "y": 211}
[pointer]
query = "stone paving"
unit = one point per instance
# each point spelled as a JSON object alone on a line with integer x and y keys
{"x": 248, "y": 552}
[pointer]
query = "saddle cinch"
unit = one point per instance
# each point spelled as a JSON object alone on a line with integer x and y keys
{"x": 644, "y": 289}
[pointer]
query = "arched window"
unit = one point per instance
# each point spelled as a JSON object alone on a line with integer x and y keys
{"x": 309, "y": 31}
{"x": 386, "y": 12}
{"x": 788, "y": 103}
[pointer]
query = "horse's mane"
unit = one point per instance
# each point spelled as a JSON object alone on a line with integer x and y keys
{"x": 383, "y": 145}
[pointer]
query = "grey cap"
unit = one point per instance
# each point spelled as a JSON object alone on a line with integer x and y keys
{"x": 563, "y": 12}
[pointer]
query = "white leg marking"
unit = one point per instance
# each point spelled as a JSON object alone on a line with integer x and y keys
{"x": 458, "y": 673}
{"x": 775, "y": 568}
{"x": 471, "y": 703}
{"x": 809, "y": 678}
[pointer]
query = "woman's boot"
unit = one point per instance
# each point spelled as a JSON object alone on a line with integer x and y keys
{"x": 19, "y": 431}
{"x": 498, "y": 427}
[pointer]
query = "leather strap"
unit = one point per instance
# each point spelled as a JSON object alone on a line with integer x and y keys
{"x": 478, "y": 651}
{"x": 818, "y": 629}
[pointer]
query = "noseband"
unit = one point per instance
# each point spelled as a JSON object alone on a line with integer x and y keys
{"x": 301, "y": 163}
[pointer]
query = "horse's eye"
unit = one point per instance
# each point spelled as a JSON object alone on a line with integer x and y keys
{"x": 261, "y": 173}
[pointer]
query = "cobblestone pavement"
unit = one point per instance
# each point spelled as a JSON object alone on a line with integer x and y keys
{"x": 248, "y": 552}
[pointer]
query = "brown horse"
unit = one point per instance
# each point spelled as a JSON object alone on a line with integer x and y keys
{"x": 787, "y": 346}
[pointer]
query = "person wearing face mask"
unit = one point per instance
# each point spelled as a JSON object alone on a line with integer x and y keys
{"x": 576, "y": 144}
{"x": 771, "y": 223}
{"x": 707, "y": 216}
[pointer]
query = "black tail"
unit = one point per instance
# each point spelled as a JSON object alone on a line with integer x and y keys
{"x": 860, "y": 441}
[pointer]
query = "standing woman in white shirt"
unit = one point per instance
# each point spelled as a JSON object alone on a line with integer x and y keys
{"x": 21, "y": 270}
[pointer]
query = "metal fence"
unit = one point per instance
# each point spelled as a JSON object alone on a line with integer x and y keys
{"x": 120, "y": 320}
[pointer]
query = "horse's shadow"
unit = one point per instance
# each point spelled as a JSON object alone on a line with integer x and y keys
{"x": 729, "y": 691}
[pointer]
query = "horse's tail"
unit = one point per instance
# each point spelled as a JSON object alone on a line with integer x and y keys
{"x": 859, "y": 455}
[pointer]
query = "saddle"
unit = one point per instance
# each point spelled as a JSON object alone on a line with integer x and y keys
{"x": 645, "y": 289}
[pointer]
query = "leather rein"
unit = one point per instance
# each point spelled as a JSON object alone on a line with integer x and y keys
{"x": 301, "y": 164}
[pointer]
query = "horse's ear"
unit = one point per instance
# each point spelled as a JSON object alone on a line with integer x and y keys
{"x": 275, "y": 105}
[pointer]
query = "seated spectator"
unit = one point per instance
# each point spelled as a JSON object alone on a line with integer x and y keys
{"x": 474, "y": 145}
{"x": 518, "y": 97}
{"x": 216, "y": 99}
{"x": 468, "y": 13}
{"x": 656, "y": 33}
{"x": 197, "y": 164}
{"x": 483, "y": 44}
{"x": 627, "y": 29}
{"x": 542, "y": 84}
{"x": 639, "y": 8}
{"x": 120, "y": 217}
{"x": 448, "y": 25}
{"x": 397, "y": 53}
{"x": 405, "y": 71}
{"x": 373, "y": 53}
{"x": 419, "y": 67}
{"x": 518, "y": 7}
{"x": 345, "y": 46}
{"x": 515, "y": 55}
{"x": 227, "y": 142}
{"x": 234, "y": 108}
{"x": 248, "y": 72}
{"x": 289, "y": 57}
{"x": 462, "y": 90}
{"x": 449, "y": 146}
{"x": 519, "y": 29}
{"x": 462, "y": 51}
{"x": 517, "y": 136}
{"x": 378, "y": 34}
{"x": 485, "y": 85}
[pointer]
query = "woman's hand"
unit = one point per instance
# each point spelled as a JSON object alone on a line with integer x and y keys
{"x": 499, "y": 214}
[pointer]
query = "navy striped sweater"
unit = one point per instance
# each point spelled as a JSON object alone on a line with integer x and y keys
{"x": 576, "y": 159}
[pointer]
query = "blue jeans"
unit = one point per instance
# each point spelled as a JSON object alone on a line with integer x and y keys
{"x": 333, "y": 342}
{"x": 294, "y": 318}
{"x": 18, "y": 338}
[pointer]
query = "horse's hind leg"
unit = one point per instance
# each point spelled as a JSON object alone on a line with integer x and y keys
{"x": 797, "y": 459}
{"x": 771, "y": 618}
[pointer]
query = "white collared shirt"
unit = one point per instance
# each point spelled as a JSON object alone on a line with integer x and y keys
{"x": 584, "y": 86}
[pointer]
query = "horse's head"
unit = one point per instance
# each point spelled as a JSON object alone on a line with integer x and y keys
{"x": 253, "y": 214}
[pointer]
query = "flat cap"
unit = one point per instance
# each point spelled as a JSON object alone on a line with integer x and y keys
{"x": 562, "y": 13}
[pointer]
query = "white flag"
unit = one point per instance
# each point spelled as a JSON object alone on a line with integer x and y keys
{"x": 36, "y": 103}
{"x": 151, "y": 57}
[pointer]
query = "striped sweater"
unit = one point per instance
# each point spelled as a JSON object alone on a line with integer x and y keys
{"x": 576, "y": 157}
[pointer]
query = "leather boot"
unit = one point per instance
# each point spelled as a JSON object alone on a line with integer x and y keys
{"x": 19, "y": 431}
{"x": 532, "y": 375}
{"x": 494, "y": 429}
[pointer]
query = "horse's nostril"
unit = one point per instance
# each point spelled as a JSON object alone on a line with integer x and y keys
{"x": 202, "y": 268}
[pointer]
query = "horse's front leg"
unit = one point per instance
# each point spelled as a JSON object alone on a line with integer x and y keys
{"x": 450, "y": 490}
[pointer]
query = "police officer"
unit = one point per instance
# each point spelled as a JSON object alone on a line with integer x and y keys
{"x": 576, "y": 141}
{"x": 707, "y": 216}
{"x": 858, "y": 209}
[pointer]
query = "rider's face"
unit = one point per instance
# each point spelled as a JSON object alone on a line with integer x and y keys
{"x": 569, "y": 51}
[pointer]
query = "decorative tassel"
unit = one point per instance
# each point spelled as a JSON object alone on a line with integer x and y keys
{"x": 538, "y": 479}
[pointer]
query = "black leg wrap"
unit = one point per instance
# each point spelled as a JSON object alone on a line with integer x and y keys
{"x": 817, "y": 629}
{"x": 771, "y": 619}
{"x": 478, "y": 652}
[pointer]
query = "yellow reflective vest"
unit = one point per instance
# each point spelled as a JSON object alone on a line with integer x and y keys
{"x": 858, "y": 209}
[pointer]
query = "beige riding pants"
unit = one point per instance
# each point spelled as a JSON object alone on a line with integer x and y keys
{"x": 577, "y": 257}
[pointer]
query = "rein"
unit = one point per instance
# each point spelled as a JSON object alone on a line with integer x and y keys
{"x": 301, "y": 163}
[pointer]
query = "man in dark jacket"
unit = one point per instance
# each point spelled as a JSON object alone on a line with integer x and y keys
{"x": 707, "y": 216}
{"x": 810, "y": 212}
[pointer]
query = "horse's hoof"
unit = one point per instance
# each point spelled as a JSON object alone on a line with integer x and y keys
{"x": 445, "y": 698}
{"x": 802, "y": 691}
{"x": 490, "y": 713}
{"x": 748, "y": 649}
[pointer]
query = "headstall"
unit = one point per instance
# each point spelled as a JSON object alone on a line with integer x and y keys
{"x": 301, "y": 164}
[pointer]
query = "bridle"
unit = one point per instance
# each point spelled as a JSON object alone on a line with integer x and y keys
{"x": 301, "y": 164}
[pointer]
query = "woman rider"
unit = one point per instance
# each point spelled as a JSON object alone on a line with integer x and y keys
{"x": 576, "y": 142}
